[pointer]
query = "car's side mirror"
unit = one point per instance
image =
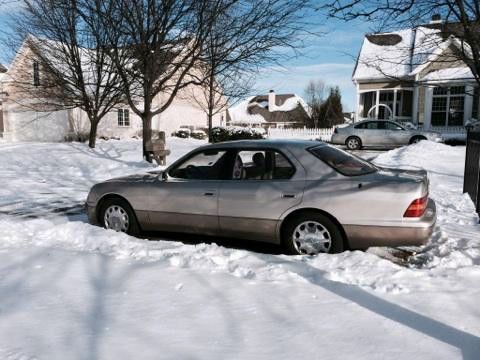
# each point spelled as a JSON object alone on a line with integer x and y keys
{"x": 164, "y": 176}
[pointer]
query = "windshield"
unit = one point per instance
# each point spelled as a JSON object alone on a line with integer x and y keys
{"x": 342, "y": 161}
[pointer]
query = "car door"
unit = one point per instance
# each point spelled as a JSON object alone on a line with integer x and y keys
{"x": 265, "y": 183}
{"x": 187, "y": 198}
{"x": 369, "y": 133}
{"x": 395, "y": 134}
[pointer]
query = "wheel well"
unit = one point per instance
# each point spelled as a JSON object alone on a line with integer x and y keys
{"x": 108, "y": 197}
{"x": 421, "y": 137}
{"x": 295, "y": 213}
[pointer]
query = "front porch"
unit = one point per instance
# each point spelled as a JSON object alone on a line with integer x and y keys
{"x": 445, "y": 108}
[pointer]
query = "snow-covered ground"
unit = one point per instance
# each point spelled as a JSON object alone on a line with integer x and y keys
{"x": 69, "y": 290}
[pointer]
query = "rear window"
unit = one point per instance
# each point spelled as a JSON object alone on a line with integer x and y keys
{"x": 342, "y": 161}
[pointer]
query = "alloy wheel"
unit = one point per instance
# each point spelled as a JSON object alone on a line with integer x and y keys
{"x": 311, "y": 237}
{"x": 116, "y": 218}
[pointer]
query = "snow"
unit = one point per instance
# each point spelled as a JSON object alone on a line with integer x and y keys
{"x": 72, "y": 290}
{"x": 454, "y": 73}
{"x": 417, "y": 48}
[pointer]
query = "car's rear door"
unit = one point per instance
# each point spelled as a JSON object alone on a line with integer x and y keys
{"x": 187, "y": 200}
{"x": 251, "y": 203}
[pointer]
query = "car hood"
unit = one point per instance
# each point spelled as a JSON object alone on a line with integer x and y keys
{"x": 135, "y": 178}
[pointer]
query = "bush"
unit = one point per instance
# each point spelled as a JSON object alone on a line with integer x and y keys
{"x": 220, "y": 134}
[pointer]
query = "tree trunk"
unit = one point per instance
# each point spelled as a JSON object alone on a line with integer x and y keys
{"x": 211, "y": 105}
{"x": 92, "y": 137}
{"x": 210, "y": 119}
{"x": 147, "y": 135}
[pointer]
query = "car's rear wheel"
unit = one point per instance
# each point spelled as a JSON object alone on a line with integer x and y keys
{"x": 353, "y": 143}
{"x": 417, "y": 139}
{"x": 312, "y": 233}
{"x": 117, "y": 214}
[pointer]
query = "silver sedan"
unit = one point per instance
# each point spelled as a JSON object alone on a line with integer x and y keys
{"x": 380, "y": 133}
{"x": 308, "y": 196}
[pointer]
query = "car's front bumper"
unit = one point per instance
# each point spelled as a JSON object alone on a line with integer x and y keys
{"x": 411, "y": 233}
{"x": 92, "y": 214}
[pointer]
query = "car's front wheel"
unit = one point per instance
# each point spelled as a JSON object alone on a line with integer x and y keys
{"x": 353, "y": 143}
{"x": 312, "y": 233}
{"x": 417, "y": 139}
{"x": 117, "y": 214}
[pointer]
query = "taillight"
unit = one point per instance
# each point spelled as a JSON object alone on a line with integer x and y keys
{"x": 417, "y": 207}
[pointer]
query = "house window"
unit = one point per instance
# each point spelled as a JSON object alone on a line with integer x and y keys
{"x": 36, "y": 74}
{"x": 448, "y": 106}
{"x": 123, "y": 117}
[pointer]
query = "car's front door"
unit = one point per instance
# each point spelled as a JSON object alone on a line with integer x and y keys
{"x": 187, "y": 199}
{"x": 264, "y": 185}
{"x": 395, "y": 135}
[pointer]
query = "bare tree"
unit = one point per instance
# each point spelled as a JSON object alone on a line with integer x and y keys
{"x": 70, "y": 51}
{"x": 315, "y": 97}
{"x": 460, "y": 24}
{"x": 246, "y": 35}
{"x": 156, "y": 46}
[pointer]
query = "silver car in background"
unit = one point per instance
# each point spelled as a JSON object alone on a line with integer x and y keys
{"x": 380, "y": 133}
{"x": 309, "y": 196}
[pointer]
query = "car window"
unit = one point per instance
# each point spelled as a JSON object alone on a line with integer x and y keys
{"x": 261, "y": 165}
{"x": 392, "y": 126}
{"x": 371, "y": 125}
{"x": 206, "y": 165}
{"x": 342, "y": 161}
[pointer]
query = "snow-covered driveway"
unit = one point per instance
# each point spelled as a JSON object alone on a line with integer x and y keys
{"x": 69, "y": 290}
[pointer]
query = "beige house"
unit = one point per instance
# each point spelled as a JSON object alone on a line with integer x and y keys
{"x": 31, "y": 116}
{"x": 412, "y": 75}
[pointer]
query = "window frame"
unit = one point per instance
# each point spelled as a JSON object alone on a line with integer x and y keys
{"x": 448, "y": 95}
{"x": 122, "y": 119}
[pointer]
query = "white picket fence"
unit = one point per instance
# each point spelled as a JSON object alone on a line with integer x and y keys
{"x": 304, "y": 134}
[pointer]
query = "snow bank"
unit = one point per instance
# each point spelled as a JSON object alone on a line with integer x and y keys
{"x": 456, "y": 239}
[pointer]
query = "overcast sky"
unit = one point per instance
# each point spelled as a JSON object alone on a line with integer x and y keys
{"x": 330, "y": 57}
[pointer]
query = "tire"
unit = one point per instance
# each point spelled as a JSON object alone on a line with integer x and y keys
{"x": 417, "y": 139}
{"x": 330, "y": 239}
{"x": 122, "y": 216}
{"x": 353, "y": 143}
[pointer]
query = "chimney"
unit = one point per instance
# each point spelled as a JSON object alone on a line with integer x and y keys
{"x": 271, "y": 101}
{"x": 436, "y": 19}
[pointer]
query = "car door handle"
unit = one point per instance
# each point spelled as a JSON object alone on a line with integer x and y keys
{"x": 288, "y": 196}
{"x": 209, "y": 193}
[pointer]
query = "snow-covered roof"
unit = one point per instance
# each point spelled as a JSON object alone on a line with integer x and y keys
{"x": 400, "y": 54}
{"x": 242, "y": 114}
{"x": 449, "y": 74}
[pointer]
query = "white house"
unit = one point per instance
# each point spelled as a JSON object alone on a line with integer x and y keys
{"x": 24, "y": 118}
{"x": 413, "y": 75}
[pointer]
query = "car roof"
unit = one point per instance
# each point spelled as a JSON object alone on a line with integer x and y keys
{"x": 276, "y": 143}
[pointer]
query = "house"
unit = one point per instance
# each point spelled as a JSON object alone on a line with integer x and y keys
{"x": 414, "y": 75}
{"x": 32, "y": 116}
{"x": 270, "y": 111}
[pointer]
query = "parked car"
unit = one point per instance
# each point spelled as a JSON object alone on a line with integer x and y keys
{"x": 309, "y": 196}
{"x": 198, "y": 134}
{"x": 182, "y": 133}
{"x": 380, "y": 133}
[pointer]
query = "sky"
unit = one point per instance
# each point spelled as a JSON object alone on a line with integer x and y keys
{"x": 329, "y": 57}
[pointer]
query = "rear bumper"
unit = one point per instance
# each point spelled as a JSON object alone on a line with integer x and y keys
{"x": 410, "y": 234}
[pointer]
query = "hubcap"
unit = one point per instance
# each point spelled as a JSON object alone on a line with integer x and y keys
{"x": 311, "y": 237}
{"x": 353, "y": 143}
{"x": 116, "y": 218}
